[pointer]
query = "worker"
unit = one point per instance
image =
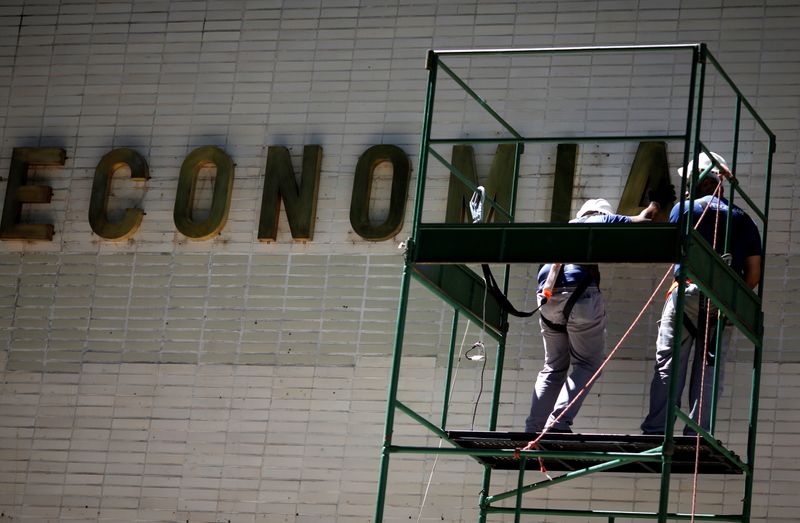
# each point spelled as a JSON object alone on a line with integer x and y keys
{"x": 573, "y": 324}
{"x": 698, "y": 325}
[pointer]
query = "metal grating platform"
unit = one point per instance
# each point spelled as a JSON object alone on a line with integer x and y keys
{"x": 710, "y": 462}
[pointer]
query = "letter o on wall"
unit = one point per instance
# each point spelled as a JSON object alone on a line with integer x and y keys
{"x": 221, "y": 197}
{"x": 101, "y": 190}
{"x": 362, "y": 185}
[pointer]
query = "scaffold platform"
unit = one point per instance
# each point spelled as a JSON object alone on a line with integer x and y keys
{"x": 710, "y": 461}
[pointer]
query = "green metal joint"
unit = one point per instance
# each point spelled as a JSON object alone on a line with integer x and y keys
{"x": 715, "y": 443}
{"x": 411, "y": 251}
{"x": 421, "y": 420}
{"x": 430, "y": 59}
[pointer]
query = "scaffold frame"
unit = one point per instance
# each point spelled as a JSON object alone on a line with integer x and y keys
{"x": 434, "y": 257}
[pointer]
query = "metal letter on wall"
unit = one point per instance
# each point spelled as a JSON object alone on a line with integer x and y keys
{"x": 362, "y": 187}
{"x": 300, "y": 202}
{"x": 19, "y": 193}
{"x": 564, "y": 181}
{"x": 101, "y": 190}
{"x": 649, "y": 171}
{"x": 221, "y": 198}
{"x": 498, "y": 185}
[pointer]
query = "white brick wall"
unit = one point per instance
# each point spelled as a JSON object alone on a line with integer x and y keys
{"x": 162, "y": 379}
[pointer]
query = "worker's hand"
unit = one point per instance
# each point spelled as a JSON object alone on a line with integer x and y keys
{"x": 530, "y": 446}
{"x": 649, "y": 213}
{"x": 724, "y": 172}
{"x": 664, "y": 195}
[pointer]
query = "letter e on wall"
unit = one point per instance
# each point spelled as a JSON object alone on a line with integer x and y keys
{"x": 19, "y": 193}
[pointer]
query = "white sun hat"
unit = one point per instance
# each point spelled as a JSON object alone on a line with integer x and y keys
{"x": 703, "y": 163}
{"x": 595, "y": 205}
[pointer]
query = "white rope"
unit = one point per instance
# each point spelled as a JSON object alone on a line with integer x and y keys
{"x": 436, "y": 459}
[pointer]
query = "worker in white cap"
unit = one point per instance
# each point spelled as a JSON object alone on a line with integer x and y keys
{"x": 744, "y": 257}
{"x": 573, "y": 323}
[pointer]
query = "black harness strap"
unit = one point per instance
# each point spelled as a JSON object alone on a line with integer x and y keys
{"x": 699, "y": 331}
{"x": 591, "y": 275}
{"x": 497, "y": 294}
{"x": 689, "y": 326}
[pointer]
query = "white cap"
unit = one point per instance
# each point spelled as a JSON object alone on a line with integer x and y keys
{"x": 595, "y": 205}
{"x": 704, "y": 163}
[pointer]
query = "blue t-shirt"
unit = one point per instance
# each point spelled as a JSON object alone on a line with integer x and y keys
{"x": 745, "y": 239}
{"x": 573, "y": 274}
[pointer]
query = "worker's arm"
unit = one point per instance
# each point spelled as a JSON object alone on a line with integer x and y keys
{"x": 647, "y": 214}
{"x": 752, "y": 270}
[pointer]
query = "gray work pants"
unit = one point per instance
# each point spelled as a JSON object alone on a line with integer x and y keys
{"x": 659, "y": 387}
{"x": 582, "y": 345}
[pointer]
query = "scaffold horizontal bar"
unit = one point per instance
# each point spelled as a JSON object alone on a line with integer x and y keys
{"x": 565, "y": 50}
{"x": 614, "y": 513}
{"x": 562, "y": 139}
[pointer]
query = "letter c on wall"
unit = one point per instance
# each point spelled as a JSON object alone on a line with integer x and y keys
{"x": 101, "y": 190}
{"x": 362, "y": 185}
{"x": 221, "y": 197}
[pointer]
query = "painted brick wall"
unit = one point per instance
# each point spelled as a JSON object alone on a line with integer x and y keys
{"x": 163, "y": 379}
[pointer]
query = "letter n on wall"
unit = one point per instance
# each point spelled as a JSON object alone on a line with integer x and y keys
{"x": 300, "y": 202}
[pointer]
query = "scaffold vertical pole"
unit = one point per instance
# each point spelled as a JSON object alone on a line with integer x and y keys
{"x": 758, "y": 356}
{"x": 404, "y": 290}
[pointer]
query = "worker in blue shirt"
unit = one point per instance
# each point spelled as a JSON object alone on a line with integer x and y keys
{"x": 573, "y": 324}
{"x": 744, "y": 256}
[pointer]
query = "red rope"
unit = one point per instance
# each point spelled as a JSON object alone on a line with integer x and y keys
{"x": 717, "y": 194}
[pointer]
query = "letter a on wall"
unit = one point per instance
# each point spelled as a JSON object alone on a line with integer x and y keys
{"x": 649, "y": 171}
{"x": 300, "y": 202}
{"x": 362, "y": 187}
{"x": 19, "y": 193}
{"x": 101, "y": 190}
{"x": 221, "y": 196}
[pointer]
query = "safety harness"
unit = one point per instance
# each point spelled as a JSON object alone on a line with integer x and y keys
{"x": 592, "y": 275}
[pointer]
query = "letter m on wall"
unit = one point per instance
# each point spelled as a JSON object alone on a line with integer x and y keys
{"x": 300, "y": 202}
{"x": 498, "y": 185}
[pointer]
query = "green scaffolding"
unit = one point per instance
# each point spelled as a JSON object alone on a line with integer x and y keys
{"x": 436, "y": 255}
